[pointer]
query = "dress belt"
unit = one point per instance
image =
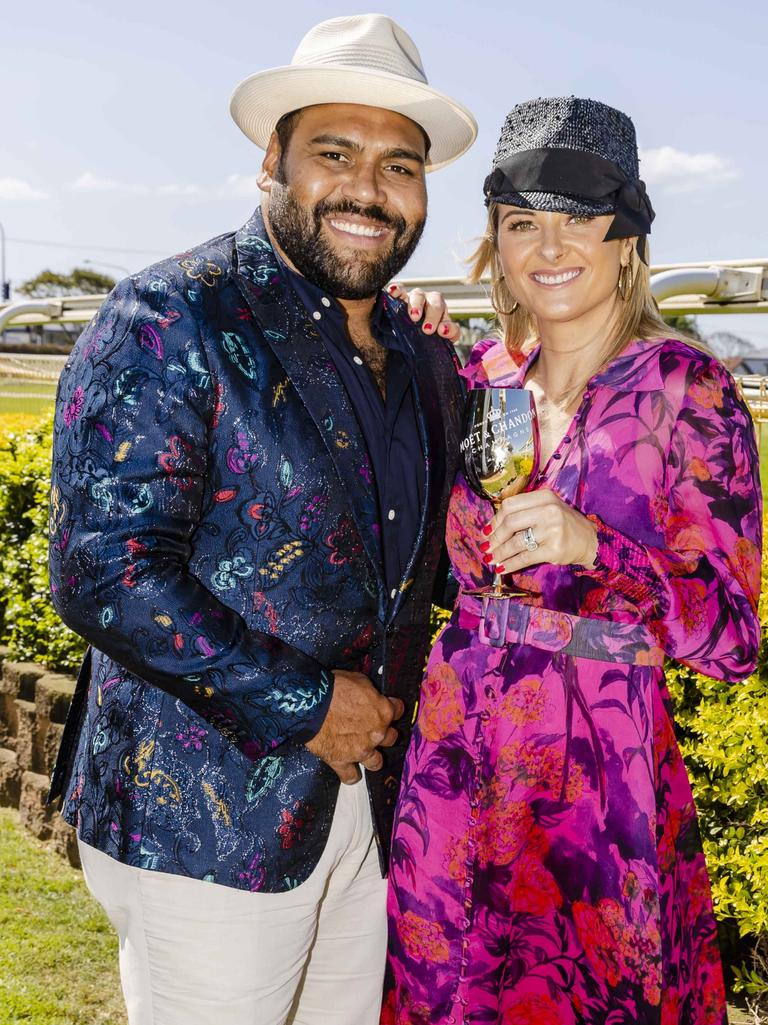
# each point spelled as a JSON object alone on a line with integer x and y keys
{"x": 511, "y": 621}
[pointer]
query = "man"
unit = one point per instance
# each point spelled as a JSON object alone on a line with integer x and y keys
{"x": 253, "y": 454}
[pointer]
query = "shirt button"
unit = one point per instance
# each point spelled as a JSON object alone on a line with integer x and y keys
{"x": 317, "y": 315}
{"x": 380, "y": 670}
{"x": 356, "y": 359}
{"x": 325, "y": 302}
{"x": 393, "y": 593}
{"x": 391, "y": 514}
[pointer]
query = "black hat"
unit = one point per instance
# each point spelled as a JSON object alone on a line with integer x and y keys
{"x": 574, "y": 156}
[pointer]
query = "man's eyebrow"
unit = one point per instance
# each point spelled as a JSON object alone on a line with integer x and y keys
{"x": 335, "y": 140}
{"x": 404, "y": 154}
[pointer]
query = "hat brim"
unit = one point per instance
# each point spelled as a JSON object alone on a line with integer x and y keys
{"x": 556, "y": 202}
{"x": 260, "y": 101}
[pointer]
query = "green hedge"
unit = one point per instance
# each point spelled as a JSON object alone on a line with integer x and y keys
{"x": 723, "y": 727}
{"x": 28, "y": 622}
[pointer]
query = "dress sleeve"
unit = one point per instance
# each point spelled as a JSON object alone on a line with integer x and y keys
{"x": 474, "y": 372}
{"x": 130, "y": 463}
{"x": 699, "y": 592}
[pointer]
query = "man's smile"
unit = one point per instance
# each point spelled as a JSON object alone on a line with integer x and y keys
{"x": 357, "y": 231}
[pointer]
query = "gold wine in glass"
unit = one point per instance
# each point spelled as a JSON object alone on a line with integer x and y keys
{"x": 500, "y": 447}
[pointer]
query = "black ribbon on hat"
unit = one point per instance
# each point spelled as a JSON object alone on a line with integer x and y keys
{"x": 575, "y": 173}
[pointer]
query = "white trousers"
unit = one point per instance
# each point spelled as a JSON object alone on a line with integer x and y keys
{"x": 198, "y": 953}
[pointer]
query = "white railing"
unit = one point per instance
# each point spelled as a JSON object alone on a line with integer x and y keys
{"x": 723, "y": 286}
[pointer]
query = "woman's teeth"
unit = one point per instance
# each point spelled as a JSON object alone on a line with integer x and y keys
{"x": 556, "y": 279}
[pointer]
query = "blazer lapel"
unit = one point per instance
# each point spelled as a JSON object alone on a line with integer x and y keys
{"x": 432, "y": 433}
{"x": 297, "y": 345}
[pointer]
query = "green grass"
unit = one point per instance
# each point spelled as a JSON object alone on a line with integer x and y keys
{"x": 21, "y": 396}
{"x": 13, "y": 384}
{"x": 58, "y": 953}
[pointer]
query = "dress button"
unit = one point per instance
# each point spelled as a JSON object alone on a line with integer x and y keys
{"x": 380, "y": 670}
{"x": 325, "y": 302}
{"x": 356, "y": 359}
{"x": 490, "y": 692}
{"x": 556, "y": 455}
{"x": 567, "y": 439}
{"x": 317, "y": 314}
{"x": 391, "y": 514}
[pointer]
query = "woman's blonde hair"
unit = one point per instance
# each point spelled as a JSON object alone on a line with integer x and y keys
{"x": 637, "y": 316}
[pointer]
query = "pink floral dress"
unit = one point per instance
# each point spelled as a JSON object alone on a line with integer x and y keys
{"x": 547, "y": 867}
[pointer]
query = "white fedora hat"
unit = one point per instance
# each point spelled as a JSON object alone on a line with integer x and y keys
{"x": 366, "y": 59}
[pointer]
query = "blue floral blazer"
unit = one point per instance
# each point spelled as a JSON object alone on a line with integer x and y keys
{"x": 214, "y": 537}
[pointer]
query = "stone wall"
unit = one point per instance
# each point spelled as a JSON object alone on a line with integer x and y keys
{"x": 33, "y": 707}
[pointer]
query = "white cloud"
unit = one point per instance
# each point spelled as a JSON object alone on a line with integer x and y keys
{"x": 684, "y": 172}
{"x": 240, "y": 185}
{"x": 235, "y": 185}
{"x": 176, "y": 189}
{"x": 90, "y": 182}
{"x": 16, "y": 188}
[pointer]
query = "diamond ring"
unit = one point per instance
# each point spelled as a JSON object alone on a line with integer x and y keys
{"x": 530, "y": 539}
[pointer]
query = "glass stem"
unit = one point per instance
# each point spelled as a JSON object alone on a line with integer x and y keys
{"x": 497, "y": 583}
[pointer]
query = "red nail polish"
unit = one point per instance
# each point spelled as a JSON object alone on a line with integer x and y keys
{"x": 487, "y": 529}
{"x": 427, "y": 327}
{"x": 414, "y": 313}
{"x": 392, "y": 288}
{"x": 488, "y": 559}
{"x": 445, "y": 329}
{"x": 501, "y": 568}
{"x": 484, "y": 546}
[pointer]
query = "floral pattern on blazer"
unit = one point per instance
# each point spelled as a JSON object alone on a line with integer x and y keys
{"x": 214, "y": 537}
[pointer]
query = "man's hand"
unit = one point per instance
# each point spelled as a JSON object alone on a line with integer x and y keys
{"x": 358, "y": 722}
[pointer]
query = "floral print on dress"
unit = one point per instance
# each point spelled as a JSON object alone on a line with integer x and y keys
{"x": 545, "y": 829}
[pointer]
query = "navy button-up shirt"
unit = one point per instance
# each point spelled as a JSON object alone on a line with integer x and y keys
{"x": 389, "y": 426}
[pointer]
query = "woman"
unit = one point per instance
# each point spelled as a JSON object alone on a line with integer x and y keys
{"x": 547, "y": 867}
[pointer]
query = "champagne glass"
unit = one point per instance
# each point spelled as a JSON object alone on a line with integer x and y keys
{"x": 500, "y": 447}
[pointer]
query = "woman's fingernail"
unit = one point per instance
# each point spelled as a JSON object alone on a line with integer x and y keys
{"x": 484, "y": 546}
{"x": 488, "y": 559}
{"x": 487, "y": 529}
{"x": 427, "y": 327}
{"x": 414, "y": 313}
{"x": 445, "y": 329}
{"x": 392, "y": 289}
{"x": 501, "y": 568}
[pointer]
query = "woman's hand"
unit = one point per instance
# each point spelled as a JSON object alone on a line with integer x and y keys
{"x": 430, "y": 308}
{"x": 563, "y": 535}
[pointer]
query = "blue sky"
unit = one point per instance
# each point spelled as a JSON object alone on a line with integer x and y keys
{"x": 116, "y": 132}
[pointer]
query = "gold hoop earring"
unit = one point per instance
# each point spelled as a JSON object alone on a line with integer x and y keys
{"x": 505, "y": 313}
{"x": 626, "y": 281}
{"x": 497, "y": 306}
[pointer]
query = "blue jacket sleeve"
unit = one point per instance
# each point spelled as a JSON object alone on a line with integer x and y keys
{"x": 130, "y": 460}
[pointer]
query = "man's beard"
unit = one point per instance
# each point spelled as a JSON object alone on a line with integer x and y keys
{"x": 299, "y": 233}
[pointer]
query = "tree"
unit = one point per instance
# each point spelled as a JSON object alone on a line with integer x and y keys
{"x": 685, "y": 325}
{"x": 80, "y": 281}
